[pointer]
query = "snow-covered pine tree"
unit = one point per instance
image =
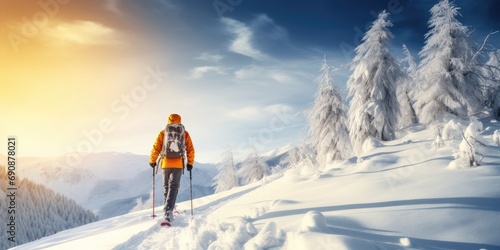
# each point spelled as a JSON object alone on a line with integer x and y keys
{"x": 226, "y": 177}
{"x": 471, "y": 148}
{"x": 448, "y": 75}
{"x": 492, "y": 83}
{"x": 329, "y": 135}
{"x": 374, "y": 109}
{"x": 408, "y": 63}
{"x": 39, "y": 212}
{"x": 405, "y": 88}
{"x": 253, "y": 168}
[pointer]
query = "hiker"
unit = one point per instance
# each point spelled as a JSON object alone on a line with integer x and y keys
{"x": 172, "y": 145}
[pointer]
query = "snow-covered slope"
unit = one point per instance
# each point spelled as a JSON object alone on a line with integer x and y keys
{"x": 400, "y": 195}
{"x": 107, "y": 183}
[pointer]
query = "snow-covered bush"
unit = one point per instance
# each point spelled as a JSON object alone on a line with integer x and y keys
{"x": 496, "y": 137}
{"x": 370, "y": 144}
{"x": 436, "y": 129}
{"x": 471, "y": 148}
{"x": 452, "y": 130}
{"x": 438, "y": 142}
{"x": 303, "y": 159}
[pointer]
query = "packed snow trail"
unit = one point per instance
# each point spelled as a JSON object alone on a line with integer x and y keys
{"x": 199, "y": 231}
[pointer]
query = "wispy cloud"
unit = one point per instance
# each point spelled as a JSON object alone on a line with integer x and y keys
{"x": 242, "y": 43}
{"x": 279, "y": 108}
{"x": 211, "y": 57}
{"x": 281, "y": 77}
{"x": 257, "y": 112}
{"x": 245, "y": 113}
{"x": 263, "y": 73}
{"x": 272, "y": 30}
{"x": 199, "y": 72}
{"x": 81, "y": 32}
{"x": 115, "y": 5}
{"x": 249, "y": 72}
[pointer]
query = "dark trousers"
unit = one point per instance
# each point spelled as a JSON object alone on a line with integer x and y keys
{"x": 171, "y": 184}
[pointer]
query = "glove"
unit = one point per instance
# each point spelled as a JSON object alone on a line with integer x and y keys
{"x": 189, "y": 167}
{"x": 152, "y": 164}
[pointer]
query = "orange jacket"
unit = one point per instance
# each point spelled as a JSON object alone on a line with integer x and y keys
{"x": 172, "y": 162}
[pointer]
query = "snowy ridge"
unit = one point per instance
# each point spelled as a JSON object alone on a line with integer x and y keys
{"x": 400, "y": 195}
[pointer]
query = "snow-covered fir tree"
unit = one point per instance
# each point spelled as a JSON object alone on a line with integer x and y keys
{"x": 226, "y": 177}
{"x": 328, "y": 130}
{"x": 374, "y": 109}
{"x": 448, "y": 75}
{"x": 492, "y": 83}
{"x": 39, "y": 212}
{"x": 471, "y": 148}
{"x": 408, "y": 63}
{"x": 253, "y": 168}
{"x": 405, "y": 92}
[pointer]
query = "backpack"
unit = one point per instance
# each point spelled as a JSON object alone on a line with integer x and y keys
{"x": 173, "y": 142}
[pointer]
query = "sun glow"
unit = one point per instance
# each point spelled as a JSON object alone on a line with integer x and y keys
{"x": 81, "y": 32}
{"x": 62, "y": 81}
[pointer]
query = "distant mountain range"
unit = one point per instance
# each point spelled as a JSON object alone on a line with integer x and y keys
{"x": 111, "y": 183}
{"x": 103, "y": 180}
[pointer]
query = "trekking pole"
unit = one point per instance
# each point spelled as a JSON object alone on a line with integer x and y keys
{"x": 153, "y": 193}
{"x": 191, "y": 190}
{"x": 155, "y": 171}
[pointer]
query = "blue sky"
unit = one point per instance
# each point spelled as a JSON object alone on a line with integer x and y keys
{"x": 240, "y": 74}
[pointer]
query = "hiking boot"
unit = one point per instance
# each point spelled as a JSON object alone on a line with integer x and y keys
{"x": 169, "y": 216}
